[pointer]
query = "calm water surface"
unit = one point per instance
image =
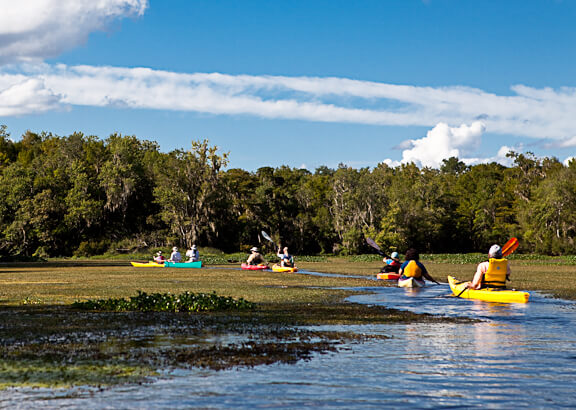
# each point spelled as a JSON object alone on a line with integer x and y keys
{"x": 518, "y": 356}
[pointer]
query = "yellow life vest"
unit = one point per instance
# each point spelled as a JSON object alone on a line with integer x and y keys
{"x": 412, "y": 270}
{"x": 495, "y": 276}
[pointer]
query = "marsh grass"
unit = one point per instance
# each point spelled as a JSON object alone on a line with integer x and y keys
{"x": 45, "y": 342}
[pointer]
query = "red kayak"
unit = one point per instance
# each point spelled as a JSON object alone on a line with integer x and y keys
{"x": 388, "y": 276}
{"x": 253, "y": 267}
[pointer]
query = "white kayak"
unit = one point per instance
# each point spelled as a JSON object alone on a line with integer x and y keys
{"x": 411, "y": 283}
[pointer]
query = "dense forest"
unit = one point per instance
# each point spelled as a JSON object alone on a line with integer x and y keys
{"x": 80, "y": 195}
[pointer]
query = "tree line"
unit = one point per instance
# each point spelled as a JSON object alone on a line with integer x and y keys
{"x": 80, "y": 195}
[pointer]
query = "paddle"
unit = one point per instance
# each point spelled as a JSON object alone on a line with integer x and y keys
{"x": 510, "y": 246}
{"x": 265, "y": 235}
{"x": 507, "y": 249}
{"x": 373, "y": 244}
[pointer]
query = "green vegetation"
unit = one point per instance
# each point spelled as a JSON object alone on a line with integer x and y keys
{"x": 81, "y": 196}
{"x": 166, "y": 302}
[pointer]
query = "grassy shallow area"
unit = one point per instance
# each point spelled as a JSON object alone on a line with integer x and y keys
{"x": 44, "y": 341}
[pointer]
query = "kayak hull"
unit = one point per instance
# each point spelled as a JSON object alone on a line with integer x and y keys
{"x": 149, "y": 264}
{"x": 278, "y": 268}
{"x": 411, "y": 283}
{"x": 487, "y": 295}
{"x": 194, "y": 265}
{"x": 388, "y": 276}
{"x": 253, "y": 267}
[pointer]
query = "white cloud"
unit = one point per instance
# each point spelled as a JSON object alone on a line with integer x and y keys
{"x": 32, "y": 30}
{"x": 562, "y": 143}
{"x": 443, "y": 142}
{"x": 29, "y": 95}
{"x": 531, "y": 113}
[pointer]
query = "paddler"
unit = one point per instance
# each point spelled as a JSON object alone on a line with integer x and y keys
{"x": 175, "y": 256}
{"x": 255, "y": 257}
{"x": 286, "y": 260}
{"x": 192, "y": 254}
{"x": 413, "y": 268}
{"x": 492, "y": 273}
{"x": 392, "y": 264}
{"x": 159, "y": 258}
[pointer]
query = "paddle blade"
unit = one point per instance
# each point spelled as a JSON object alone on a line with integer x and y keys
{"x": 510, "y": 247}
{"x": 265, "y": 235}
{"x": 373, "y": 244}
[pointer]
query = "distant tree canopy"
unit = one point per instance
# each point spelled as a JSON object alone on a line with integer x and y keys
{"x": 78, "y": 195}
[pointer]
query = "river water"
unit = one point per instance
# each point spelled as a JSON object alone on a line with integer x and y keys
{"x": 519, "y": 355}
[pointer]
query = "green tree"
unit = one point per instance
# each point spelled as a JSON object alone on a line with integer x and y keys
{"x": 188, "y": 188}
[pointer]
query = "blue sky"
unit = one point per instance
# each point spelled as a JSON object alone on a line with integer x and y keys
{"x": 298, "y": 83}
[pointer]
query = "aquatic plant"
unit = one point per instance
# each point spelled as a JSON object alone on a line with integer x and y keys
{"x": 167, "y": 302}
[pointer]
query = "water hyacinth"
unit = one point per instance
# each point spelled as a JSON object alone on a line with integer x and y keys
{"x": 167, "y": 302}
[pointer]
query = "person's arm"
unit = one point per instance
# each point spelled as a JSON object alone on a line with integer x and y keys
{"x": 427, "y": 275}
{"x": 477, "y": 281}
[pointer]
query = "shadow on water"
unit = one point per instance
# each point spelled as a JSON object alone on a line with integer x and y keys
{"x": 517, "y": 355}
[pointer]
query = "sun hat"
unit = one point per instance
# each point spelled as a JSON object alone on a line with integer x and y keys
{"x": 254, "y": 249}
{"x": 394, "y": 255}
{"x": 174, "y": 249}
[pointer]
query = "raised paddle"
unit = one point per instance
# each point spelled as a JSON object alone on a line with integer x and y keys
{"x": 507, "y": 249}
{"x": 510, "y": 246}
{"x": 373, "y": 244}
{"x": 267, "y": 237}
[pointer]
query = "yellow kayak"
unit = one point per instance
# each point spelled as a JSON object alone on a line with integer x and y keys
{"x": 278, "y": 268}
{"x": 488, "y": 294}
{"x": 149, "y": 264}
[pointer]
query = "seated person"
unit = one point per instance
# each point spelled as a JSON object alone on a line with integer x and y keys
{"x": 392, "y": 264}
{"x": 159, "y": 258}
{"x": 175, "y": 256}
{"x": 192, "y": 254}
{"x": 492, "y": 273}
{"x": 255, "y": 257}
{"x": 413, "y": 268}
{"x": 286, "y": 260}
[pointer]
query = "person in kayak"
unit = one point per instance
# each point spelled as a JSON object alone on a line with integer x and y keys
{"x": 175, "y": 256}
{"x": 192, "y": 254}
{"x": 286, "y": 260}
{"x": 413, "y": 268}
{"x": 159, "y": 258}
{"x": 392, "y": 264}
{"x": 492, "y": 273}
{"x": 255, "y": 257}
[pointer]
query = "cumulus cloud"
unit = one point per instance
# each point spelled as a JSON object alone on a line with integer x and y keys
{"x": 32, "y": 30}
{"x": 443, "y": 142}
{"x": 531, "y": 112}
